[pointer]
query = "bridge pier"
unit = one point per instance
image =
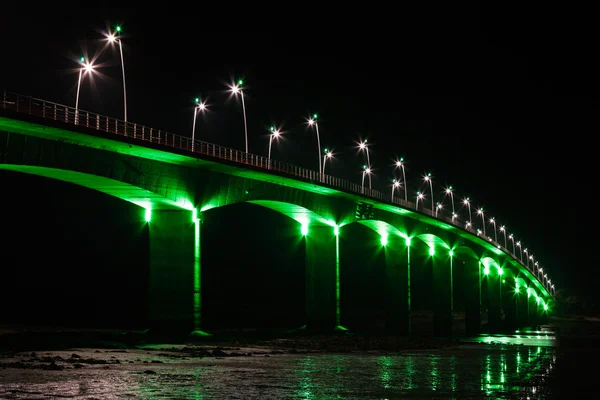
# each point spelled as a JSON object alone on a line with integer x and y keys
{"x": 532, "y": 319}
{"x": 522, "y": 308}
{"x": 494, "y": 293}
{"x": 442, "y": 290}
{"x": 397, "y": 286}
{"x": 510, "y": 304}
{"x": 322, "y": 279}
{"x": 174, "y": 280}
{"x": 472, "y": 297}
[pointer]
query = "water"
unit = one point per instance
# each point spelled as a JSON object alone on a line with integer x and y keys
{"x": 525, "y": 365}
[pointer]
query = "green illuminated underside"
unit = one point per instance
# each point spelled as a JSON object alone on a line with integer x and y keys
{"x": 121, "y": 190}
{"x": 148, "y": 199}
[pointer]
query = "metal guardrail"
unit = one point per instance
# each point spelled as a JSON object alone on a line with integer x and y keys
{"x": 69, "y": 115}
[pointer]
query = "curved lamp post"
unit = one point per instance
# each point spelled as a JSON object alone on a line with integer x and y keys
{"x": 236, "y": 89}
{"x": 117, "y": 38}
{"x": 85, "y": 68}
{"x": 200, "y": 106}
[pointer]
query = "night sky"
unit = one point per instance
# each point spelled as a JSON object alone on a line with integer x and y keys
{"x": 494, "y": 102}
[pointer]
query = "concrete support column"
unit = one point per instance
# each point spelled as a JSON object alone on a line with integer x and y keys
{"x": 523, "y": 309}
{"x": 510, "y": 305}
{"x": 397, "y": 286}
{"x": 531, "y": 311}
{"x": 472, "y": 297}
{"x": 494, "y": 293}
{"x": 322, "y": 279}
{"x": 442, "y": 292}
{"x": 173, "y": 270}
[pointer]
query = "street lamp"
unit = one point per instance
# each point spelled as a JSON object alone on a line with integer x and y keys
{"x": 493, "y": 221}
{"x": 419, "y": 197}
{"x": 480, "y": 212}
{"x": 503, "y": 230}
{"x": 85, "y": 68}
{"x": 117, "y": 38}
{"x": 512, "y": 239}
{"x": 468, "y": 203}
{"x": 363, "y": 146}
{"x": 200, "y": 106}
{"x": 526, "y": 256}
{"x": 366, "y": 171}
{"x": 395, "y": 184}
{"x": 275, "y": 133}
{"x": 236, "y": 89}
{"x": 438, "y": 207}
{"x": 313, "y": 121}
{"x": 520, "y": 250}
{"x": 328, "y": 154}
{"x": 400, "y": 164}
{"x": 427, "y": 178}
{"x": 451, "y": 194}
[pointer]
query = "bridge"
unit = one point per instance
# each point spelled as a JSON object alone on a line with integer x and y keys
{"x": 175, "y": 187}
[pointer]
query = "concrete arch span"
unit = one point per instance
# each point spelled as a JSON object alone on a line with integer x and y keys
{"x": 125, "y": 191}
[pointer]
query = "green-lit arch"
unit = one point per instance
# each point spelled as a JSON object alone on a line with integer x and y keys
{"x": 489, "y": 262}
{"x": 465, "y": 253}
{"x": 384, "y": 229}
{"x": 133, "y": 194}
{"x": 433, "y": 241}
{"x": 300, "y": 214}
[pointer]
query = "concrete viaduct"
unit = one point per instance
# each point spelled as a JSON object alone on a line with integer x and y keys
{"x": 175, "y": 187}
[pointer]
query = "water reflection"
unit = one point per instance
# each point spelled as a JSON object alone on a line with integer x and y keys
{"x": 471, "y": 370}
{"x": 496, "y": 371}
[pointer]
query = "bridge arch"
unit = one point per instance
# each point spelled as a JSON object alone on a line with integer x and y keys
{"x": 433, "y": 242}
{"x": 124, "y": 191}
{"x": 465, "y": 253}
{"x": 490, "y": 264}
{"x": 383, "y": 229}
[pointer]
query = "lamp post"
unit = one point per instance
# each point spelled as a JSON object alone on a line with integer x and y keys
{"x": 274, "y": 135}
{"x": 366, "y": 171}
{"x": 512, "y": 239}
{"x": 450, "y": 192}
{"x": 493, "y": 222}
{"x": 85, "y": 68}
{"x": 503, "y": 230}
{"x": 395, "y": 184}
{"x": 328, "y": 154}
{"x": 480, "y": 212}
{"x": 419, "y": 197}
{"x": 114, "y": 38}
{"x": 438, "y": 207}
{"x": 520, "y": 251}
{"x": 236, "y": 89}
{"x": 200, "y": 106}
{"x": 363, "y": 147}
{"x": 468, "y": 203}
{"x": 400, "y": 164}
{"x": 313, "y": 121}
{"x": 427, "y": 178}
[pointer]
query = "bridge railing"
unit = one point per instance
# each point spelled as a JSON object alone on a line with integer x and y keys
{"x": 70, "y": 115}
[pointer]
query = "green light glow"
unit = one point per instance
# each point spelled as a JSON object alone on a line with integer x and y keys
{"x": 500, "y": 271}
{"x": 432, "y": 251}
{"x": 451, "y": 253}
{"x": 118, "y": 28}
{"x": 82, "y": 59}
{"x": 384, "y": 240}
{"x": 148, "y": 214}
{"x": 304, "y": 229}
{"x": 197, "y": 279}
{"x": 194, "y": 215}
{"x": 486, "y": 270}
{"x": 150, "y": 201}
{"x": 407, "y": 242}
{"x": 336, "y": 230}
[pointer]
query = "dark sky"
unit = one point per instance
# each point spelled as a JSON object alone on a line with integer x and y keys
{"x": 492, "y": 101}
